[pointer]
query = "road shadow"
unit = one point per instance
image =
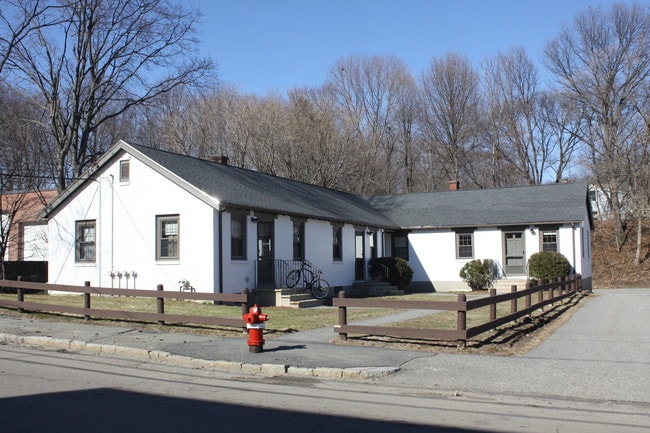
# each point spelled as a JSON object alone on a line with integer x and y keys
{"x": 107, "y": 410}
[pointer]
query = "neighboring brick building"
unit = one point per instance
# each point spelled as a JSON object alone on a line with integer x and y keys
{"x": 27, "y": 239}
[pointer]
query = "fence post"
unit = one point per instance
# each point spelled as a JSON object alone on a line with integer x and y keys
{"x": 20, "y": 295}
{"x": 540, "y": 298}
{"x": 245, "y": 304}
{"x": 343, "y": 316}
{"x": 493, "y": 306}
{"x": 160, "y": 304}
{"x": 513, "y": 302}
{"x": 549, "y": 288}
{"x": 461, "y": 321}
{"x": 528, "y": 295}
{"x": 87, "y": 300}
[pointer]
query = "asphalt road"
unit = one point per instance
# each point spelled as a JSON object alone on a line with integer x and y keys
{"x": 55, "y": 392}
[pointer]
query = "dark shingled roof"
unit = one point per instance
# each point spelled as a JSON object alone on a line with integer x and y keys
{"x": 248, "y": 189}
{"x": 554, "y": 203}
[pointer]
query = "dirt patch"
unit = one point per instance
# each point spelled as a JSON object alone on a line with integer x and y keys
{"x": 613, "y": 268}
{"x": 515, "y": 338}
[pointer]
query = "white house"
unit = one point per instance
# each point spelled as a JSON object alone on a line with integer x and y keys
{"x": 143, "y": 217}
{"x": 441, "y": 231}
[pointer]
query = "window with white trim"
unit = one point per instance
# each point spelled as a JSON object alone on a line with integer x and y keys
{"x": 464, "y": 245}
{"x": 549, "y": 240}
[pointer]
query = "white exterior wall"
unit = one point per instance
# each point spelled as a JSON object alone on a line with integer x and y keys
{"x": 239, "y": 274}
{"x": 432, "y": 255}
{"x": 318, "y": 250}
{"x": 34, "y": 242}
{"x": 126, "y": 233}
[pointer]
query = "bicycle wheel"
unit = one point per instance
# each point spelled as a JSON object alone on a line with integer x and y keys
{"x": 320, "y": 289}
{"x": 293, "y": 278}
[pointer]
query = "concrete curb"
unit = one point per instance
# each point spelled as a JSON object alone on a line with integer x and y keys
{"x": 185, "y": 361}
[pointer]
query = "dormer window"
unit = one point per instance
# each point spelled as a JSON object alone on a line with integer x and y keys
{"x": 124, "y": 171}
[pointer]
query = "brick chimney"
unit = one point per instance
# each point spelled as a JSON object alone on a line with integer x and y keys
{"x": 454, "y": 185}
{"x": 219, "y": 159}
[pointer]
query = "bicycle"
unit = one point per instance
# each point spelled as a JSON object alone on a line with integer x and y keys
{"x": 311, "y": 280}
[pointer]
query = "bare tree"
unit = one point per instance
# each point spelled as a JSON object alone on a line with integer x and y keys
{"x": 105, "y": 57}
{"x": 524, "y": 141}
{"x": 23, "y": 166}
{"x": 601, "y": 62}
{"x": 316, "y": 152}
{"x": 559, "y": 122}
{"x": 19, "y": 19}
{"x": 449, "y": 112}
{"x": 366, "y": 90}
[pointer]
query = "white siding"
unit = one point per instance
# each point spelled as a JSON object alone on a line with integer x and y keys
{"x": 125, "y": 217}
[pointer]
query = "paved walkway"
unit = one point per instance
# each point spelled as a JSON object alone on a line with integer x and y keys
{"x": 602, "y": 353}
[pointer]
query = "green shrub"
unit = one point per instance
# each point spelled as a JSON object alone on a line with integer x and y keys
{"x": 548, "y": 265}
{"x": 400, "y": 273}
{"x": 477, "y": 274}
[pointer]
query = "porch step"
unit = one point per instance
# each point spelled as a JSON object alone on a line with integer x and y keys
{"x": 503, "y": 286}
{"x": 362, "y": 290}
{"x": 299, "y": 298}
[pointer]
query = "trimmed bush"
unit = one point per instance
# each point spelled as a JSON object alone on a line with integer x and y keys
{"x": 400, "y": 272}
{"x": 548, "y": 265}
{"x": 477, "y": 274}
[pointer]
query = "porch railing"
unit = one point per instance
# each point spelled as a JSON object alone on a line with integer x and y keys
{"x": 281, "y": 269}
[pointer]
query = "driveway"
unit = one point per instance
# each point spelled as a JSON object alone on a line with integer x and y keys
{"x": 601, "y": 353}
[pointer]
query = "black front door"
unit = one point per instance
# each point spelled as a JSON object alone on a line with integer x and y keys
{"x": 265, "y": 254}
{"x": 360, "y": 257}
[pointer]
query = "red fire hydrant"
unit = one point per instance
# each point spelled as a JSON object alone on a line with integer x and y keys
{"x": 255, "y": 324}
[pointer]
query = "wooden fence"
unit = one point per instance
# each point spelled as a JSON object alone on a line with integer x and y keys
{"x": 159, "y": 294}
{"x": 546, "y": 294}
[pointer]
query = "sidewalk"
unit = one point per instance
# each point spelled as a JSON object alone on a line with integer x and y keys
{"x": 308, "y": 353}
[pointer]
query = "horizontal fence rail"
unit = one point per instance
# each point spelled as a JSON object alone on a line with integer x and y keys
{"x": 546, "y": 294}
{"x": 159, "y": 294}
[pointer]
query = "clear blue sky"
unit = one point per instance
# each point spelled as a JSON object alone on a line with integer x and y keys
{"x": 264, "y": 46}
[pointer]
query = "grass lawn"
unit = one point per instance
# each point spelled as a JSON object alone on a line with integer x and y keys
{"x": 282, "y": 319}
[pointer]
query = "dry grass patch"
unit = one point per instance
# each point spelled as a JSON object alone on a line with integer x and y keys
{"x": 282, "y": 319}
{"x": 517, "y": 337}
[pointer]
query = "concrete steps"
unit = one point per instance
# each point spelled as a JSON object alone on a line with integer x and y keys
{"x": 503, "y": 286}
{"x": 370, "y": 289}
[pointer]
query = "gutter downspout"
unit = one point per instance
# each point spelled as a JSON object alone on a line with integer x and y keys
{"x": 573, "y": 246}
{"x": 220, "y": 245}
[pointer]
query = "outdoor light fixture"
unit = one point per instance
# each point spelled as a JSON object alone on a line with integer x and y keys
{"x": 254, "y": 219}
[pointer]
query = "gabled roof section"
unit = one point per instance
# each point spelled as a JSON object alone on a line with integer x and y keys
{"x": 553, "y": 203}
{"x": 219, "y": 184}
{"x": 248, "y": 189}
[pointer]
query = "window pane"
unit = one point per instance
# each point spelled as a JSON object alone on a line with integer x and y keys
{"x": 400, "y": 247}
{"x": 168, "y": 236}
{"x": 298, "y": 250}
{"x": 336, "y": 243}
{"x": 237, "y": 238}
{"x": 549, "y": 241}
{"x": 85, "y": 244}
{"x": 464, "y": 241}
